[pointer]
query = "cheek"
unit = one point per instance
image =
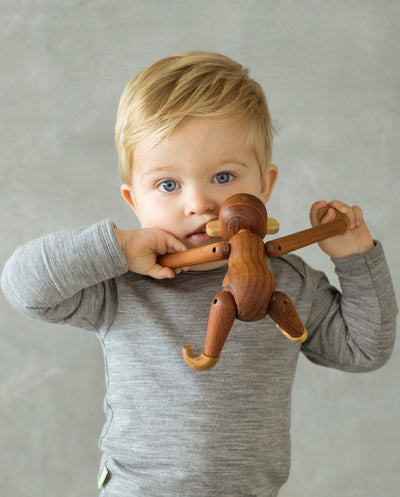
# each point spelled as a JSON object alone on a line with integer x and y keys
{"x": 156, "y": 214}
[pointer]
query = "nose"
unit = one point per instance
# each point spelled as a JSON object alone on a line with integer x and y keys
{"x": 199, "y": 202}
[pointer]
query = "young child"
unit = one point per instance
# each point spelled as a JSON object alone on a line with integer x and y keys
{"x": 191, "y": 131}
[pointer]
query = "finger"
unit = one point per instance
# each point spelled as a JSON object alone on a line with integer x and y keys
{"x": 180, "y": 269}
{"x": 161, "y": 272}
{"x": 358, "y": 216}
{"x": 330, "y": 215}
{"x": 314, "y": 210}
{"x": 322, "y": 213}
{"x": 167, "y": 244}
{"x": 338, "y": 205}
{"x": 174, "y": 244}
{"x": 351, "y": 213}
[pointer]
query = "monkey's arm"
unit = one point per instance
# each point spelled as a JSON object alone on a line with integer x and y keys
{"x": 286, "y": 244}
{"x": 198, "y": 255}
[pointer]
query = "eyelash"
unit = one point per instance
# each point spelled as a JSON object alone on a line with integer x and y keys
{"x": 221, "y": 174}
{"x": 164, "y": 182}
{"x": 177, "y": 186}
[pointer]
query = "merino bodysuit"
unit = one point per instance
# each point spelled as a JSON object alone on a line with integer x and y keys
{"x": 173, "y": 431}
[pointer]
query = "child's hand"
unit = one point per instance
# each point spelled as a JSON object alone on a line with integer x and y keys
{"x": 141, "y": 248}
{"x": 357, "y": 240}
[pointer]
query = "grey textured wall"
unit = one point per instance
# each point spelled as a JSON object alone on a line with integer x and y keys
{"x": 331, "y": 73}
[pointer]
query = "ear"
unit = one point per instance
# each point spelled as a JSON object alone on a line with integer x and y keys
{"x": 129, "y": 197}
{"x": 268, "y": 181}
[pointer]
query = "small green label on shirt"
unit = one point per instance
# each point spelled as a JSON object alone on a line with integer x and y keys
{"x": 102, "y": 477}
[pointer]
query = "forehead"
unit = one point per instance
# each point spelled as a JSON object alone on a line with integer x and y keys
{"x": 195, "y": 136}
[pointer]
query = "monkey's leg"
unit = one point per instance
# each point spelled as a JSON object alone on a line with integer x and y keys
{"x": 283, "y": 312}
{"x": 222, "y": 315}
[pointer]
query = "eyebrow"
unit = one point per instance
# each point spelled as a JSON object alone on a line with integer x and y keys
{"x": 158, "y": 169}
{"x": 232, "y": 161}
{"x": 218, "y": 163}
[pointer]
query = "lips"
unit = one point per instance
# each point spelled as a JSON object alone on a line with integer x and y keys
{"x": 200, "y": 230}
{"x": 199, "y": 236}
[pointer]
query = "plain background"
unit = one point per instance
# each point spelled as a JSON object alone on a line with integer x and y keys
{"x": 330, "y": 71}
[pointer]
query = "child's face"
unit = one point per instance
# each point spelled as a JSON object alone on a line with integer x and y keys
{"x": 179, "y": 184}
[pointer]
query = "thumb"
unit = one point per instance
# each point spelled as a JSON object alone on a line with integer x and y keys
{"x": 315, "y": 208}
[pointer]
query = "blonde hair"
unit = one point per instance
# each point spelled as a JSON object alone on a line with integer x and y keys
{"x": 192, "y": 84}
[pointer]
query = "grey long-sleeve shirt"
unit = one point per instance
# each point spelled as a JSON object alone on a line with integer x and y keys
{"x": 173, "y": 431}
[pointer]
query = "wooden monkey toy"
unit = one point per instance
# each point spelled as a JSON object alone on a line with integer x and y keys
{"x": 248, "y": 288}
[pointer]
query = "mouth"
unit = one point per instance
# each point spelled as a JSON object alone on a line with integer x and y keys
{"x": 199, "y": 236}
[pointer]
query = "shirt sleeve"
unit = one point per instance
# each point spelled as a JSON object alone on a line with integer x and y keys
{"x": 353, "y": 330}
{"x": 67, "y": 276}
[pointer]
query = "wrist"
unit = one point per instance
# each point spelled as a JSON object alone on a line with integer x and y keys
{"x": 120, "y": 236}
{"x": 360, "y": 250}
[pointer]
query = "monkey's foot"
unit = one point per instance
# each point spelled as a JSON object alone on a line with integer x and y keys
{"x": 296, "y": 339}
{"x": 283, "y": 312}
{"x": 200, "y": 362}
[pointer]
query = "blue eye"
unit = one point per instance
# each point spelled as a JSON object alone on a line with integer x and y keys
{"x": 168, "y": 186}
{"x": 222, "y": 178}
